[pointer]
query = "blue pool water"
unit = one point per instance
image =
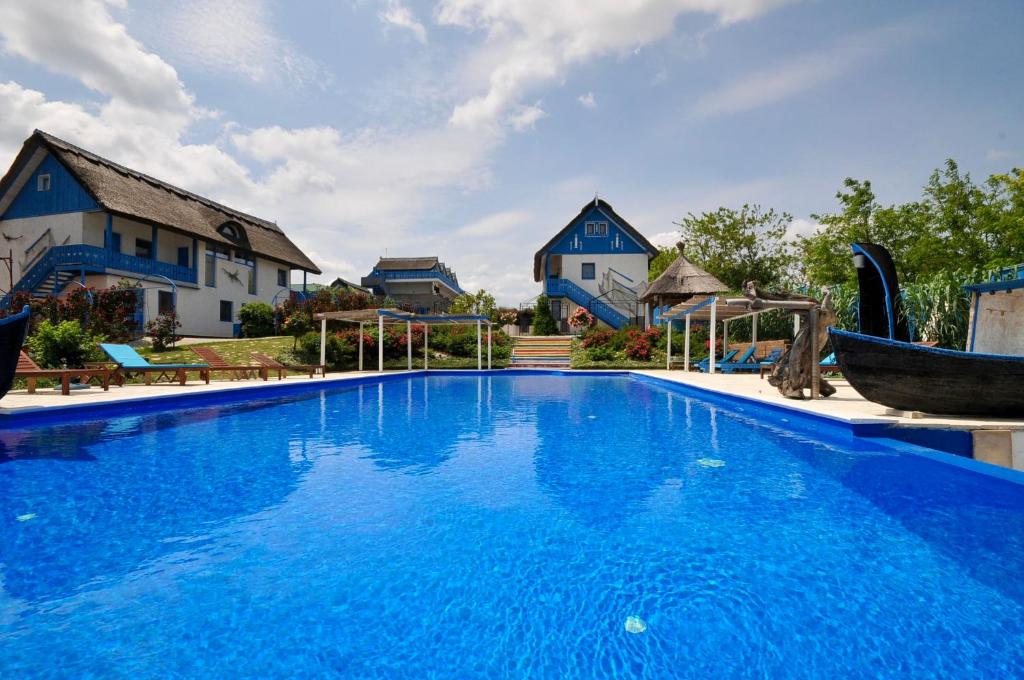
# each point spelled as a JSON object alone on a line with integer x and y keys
{"x": 506, "y": 526}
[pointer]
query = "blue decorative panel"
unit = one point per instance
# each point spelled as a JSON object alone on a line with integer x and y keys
{"x": 64, "y": 193}
{"x": 576, "y": 242}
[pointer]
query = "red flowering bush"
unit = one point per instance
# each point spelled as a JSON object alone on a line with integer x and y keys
{"x": 596, "y": 339}
{"x": 638, "y": 345}
{"x": 581, "y": 318}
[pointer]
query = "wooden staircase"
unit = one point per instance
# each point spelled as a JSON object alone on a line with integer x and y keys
{"x": 541, "y": 351}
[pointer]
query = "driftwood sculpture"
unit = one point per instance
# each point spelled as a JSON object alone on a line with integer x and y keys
{"x": 792, "y": 372}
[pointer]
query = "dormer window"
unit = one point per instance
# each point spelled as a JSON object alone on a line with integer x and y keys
{"x": 230, "y": 231}
{"x": 43, "y": 182}
{"x": 596, "y": 229}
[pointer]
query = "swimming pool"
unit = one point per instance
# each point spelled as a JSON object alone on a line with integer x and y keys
{"x": 498, "y": 526}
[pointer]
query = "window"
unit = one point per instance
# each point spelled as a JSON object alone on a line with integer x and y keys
{"x": 596, "y": 229}
{"x": 245, "y": 257}
{"x": 588, "y": 270}
{"x": 230, "y": 230}
{"x": 282, "y": 278}
{"x": 164, "y": 302}
{"x": 226, "y": 311}
{"x": 252, "y": 281}
{"x": 43, "y": 183}
{"x": 211, "y": 269}
{"x": 116, "y": 246}
{"x": 183, "y": 256}
{"x": 219, "y": 251}
{"x": 143, "y": 249}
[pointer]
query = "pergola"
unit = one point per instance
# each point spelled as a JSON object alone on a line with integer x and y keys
{"x": 397, "y": 316}
{"x": 710, "y": 308}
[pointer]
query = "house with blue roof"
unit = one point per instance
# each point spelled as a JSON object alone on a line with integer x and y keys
{"x": 598, "y": 261}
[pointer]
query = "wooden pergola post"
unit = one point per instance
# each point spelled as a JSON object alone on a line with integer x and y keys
{"x": 360, "y": 345}
{"x": 668, "y": 346}
{"x": 714, "y": 315}
{"x": 323, "y": 341}
{"x": 490, "y": 330}
{"x": 753, "y": 331}
{"x": 812, "y": 323}
{"x": 725, "y": 337}
{"x": 380, "y": 343}
{"x": 408, "y": 345}
{"x": 686, "y": 348}
{"x": 479, "y": 348}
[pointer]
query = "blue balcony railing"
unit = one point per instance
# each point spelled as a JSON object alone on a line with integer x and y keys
{"x": 94, "y": 258}
{"x": 599, "y": 308}
{"x": 390, "y": 275}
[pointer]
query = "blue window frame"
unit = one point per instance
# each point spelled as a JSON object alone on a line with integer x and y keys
{"x": 595, "y": 229}
{"x": 588, "y": 270}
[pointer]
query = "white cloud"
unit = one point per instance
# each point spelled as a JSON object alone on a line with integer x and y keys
{"x": 587, "y": 100}
{"x": 498, "y": 223}
{"x": 998, "y": 155}
{"x": 797, "y": 75}
{"x": 232, "y": 37}
{"x": 397, "y": 14}
{"x": 526, "y": 117}
{"x": 665, "y": 239}
{"x": 802, "y": 227}
{"x": 529, "y": 42}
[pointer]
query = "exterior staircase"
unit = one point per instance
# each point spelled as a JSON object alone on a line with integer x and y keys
{"x": 541, "y": 351}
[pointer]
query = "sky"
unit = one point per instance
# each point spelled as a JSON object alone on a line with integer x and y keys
{"x": 476, "y": 129}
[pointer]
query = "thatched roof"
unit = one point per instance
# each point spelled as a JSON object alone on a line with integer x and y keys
{"x": 606, "y": 207}
{"x": 682, "y": 280}
{"x": 132, "y": 194}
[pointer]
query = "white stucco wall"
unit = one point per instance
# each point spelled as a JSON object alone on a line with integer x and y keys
{"x": 22, "y": 233}
{"x": 997, "y": 326}
{"x": 633, "y": 266}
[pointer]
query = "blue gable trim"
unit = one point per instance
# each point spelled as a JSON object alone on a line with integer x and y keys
{"x": 576, "y": 242}
{"x": 65, "y": 194}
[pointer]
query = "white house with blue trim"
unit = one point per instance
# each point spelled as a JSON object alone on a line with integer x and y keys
{"x": 598, "y": 261}
{"x": 69, "y": 217}
{"x": 997, "y": 313}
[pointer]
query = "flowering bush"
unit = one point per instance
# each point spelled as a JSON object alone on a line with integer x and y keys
{"x": 581, "y": 318}
{"x": 596, "y": 339}
{"x": 507, "y": 317}
{"x": 638, "y": 345}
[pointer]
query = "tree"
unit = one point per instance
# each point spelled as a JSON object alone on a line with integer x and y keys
{"x": 740, "y": 245}
{"x": 661, "y": 261}
{"x": 543, "y": 321}
{"x": 478, "y": 303}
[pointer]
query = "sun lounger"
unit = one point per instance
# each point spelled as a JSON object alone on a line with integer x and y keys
{"x": 705, "y": 363}
{"x": 742, "y": 363}
{"x": 236, "y": 372}
{"x": 30, "y": 371}
{"x": 766, "y": 364}
{"x": 273, "y": 364}
{"x": 129, "y": 363}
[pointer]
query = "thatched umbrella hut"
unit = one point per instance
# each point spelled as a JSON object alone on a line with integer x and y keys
{"x": 680, "y": 282}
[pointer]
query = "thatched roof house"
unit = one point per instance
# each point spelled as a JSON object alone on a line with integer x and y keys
{"x": 681, "y": 281}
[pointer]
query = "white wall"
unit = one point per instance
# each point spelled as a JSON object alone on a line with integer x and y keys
{"x": 997, "y": 327}
{"x": 23, "y": 232}
{"x": 632, "y": 265}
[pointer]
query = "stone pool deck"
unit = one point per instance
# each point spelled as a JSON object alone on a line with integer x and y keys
{"x": 998, "y": 441}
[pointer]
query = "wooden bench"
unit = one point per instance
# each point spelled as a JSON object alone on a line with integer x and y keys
{"x": 31, "y": 372}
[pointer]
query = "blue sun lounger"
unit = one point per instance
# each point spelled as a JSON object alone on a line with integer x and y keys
{"x": 129, "y": 363}
{"x": 704, "y": 364}
{"x": 743, "y": 363}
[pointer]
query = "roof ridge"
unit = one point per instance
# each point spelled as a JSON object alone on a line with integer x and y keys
{"x": 149, "y": 179}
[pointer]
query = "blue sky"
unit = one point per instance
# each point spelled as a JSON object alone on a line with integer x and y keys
{"x": 475, "y": 129}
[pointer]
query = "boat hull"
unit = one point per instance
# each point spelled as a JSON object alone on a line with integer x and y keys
{"x": 911, "y": 377}
{"x": 13, "y": 330}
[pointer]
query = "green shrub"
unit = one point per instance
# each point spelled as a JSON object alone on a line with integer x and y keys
{"x": 163, "y": 330}
{"x": 297, "y": 325}
{"x": 257, "y": 319}
{"x": 543, "y": 322}
{"x": 63, "y": 345}
{"x": 339, "y": 351}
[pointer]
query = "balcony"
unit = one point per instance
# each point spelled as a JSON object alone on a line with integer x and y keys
{"x": 95, "y": 259}
{"x": 417, "y": 275}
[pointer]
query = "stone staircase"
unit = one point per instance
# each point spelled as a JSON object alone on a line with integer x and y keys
{"x": 541, "y": 351}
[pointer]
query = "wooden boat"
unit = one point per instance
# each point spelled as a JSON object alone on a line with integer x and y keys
{"x": 13, "y": 330}
{"x": 913, "y": 377}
